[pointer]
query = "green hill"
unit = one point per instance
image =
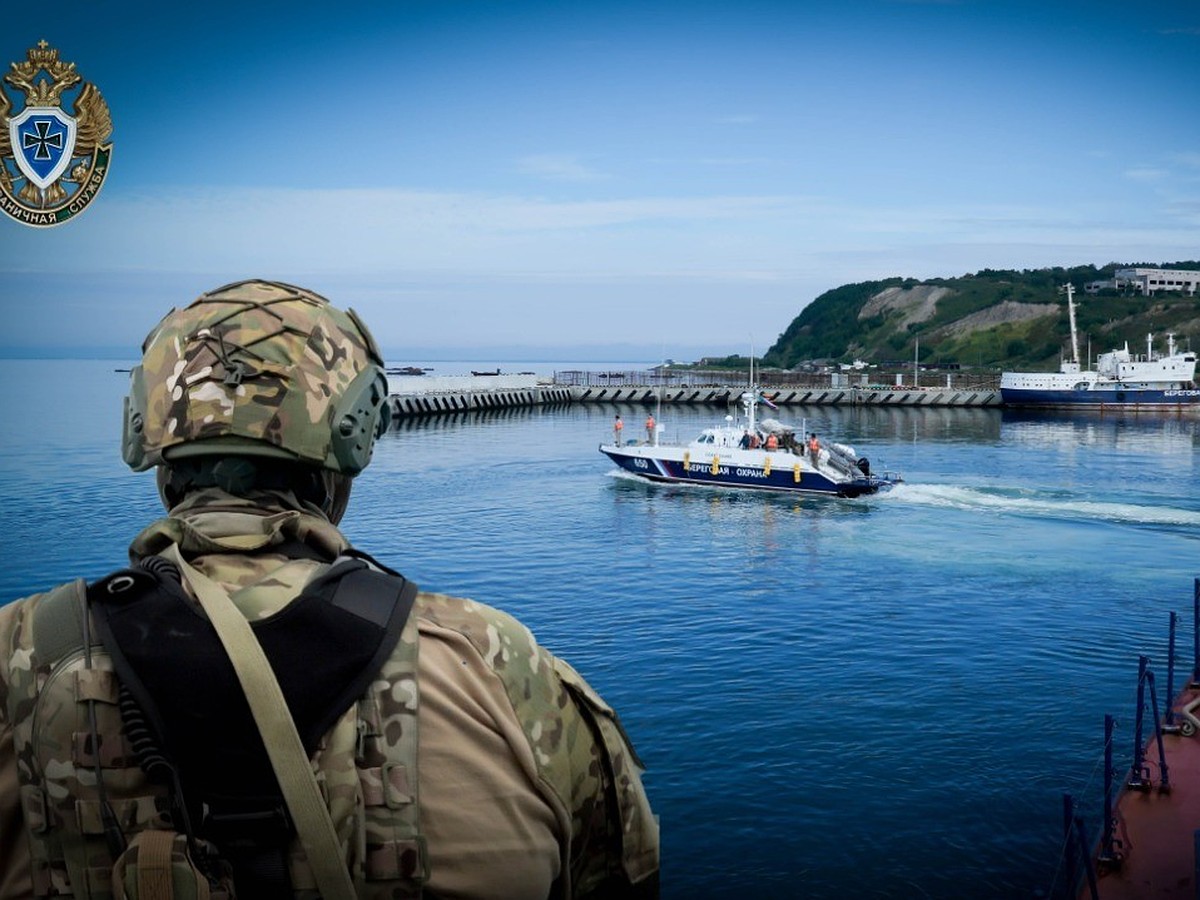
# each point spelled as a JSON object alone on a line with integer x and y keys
{"x": 993, "y": 319}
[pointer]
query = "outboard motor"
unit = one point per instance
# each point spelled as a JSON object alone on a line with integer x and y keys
{"x": 864, "y": 466}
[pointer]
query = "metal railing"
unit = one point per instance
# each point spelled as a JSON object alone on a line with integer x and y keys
{"x": 769, "y": 379}
{"x": 1078, "y": 858}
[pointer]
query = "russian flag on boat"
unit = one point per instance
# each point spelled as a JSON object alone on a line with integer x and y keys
{"x": 763, "y": 398}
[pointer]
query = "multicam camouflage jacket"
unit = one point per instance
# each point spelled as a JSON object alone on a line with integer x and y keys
{"x": 59, "y": 703}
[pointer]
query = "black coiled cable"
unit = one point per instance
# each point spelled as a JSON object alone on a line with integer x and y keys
{"x": 143, "y": 740}
{"x": 159, "y": 565}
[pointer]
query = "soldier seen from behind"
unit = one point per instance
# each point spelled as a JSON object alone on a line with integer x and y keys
{"x": 254, "y": 708}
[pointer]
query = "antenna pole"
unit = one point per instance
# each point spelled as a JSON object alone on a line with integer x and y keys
{"x": 663, "y": 374}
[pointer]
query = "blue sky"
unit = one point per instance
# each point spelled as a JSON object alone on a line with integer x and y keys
{"x": 607, "y": 178}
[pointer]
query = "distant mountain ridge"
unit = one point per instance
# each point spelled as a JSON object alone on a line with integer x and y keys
{"x": 992, "y": 319}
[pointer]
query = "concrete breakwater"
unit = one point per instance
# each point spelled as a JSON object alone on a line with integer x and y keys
{"x": 847, "y": 396}
{"x": 425, "y": 396}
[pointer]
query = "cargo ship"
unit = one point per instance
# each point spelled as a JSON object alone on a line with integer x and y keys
{"x": 1120, "y": 379}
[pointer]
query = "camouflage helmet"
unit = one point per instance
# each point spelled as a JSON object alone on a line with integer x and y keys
{"x": 257, "y": 368}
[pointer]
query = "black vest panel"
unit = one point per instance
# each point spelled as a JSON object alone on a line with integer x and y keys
{"x": 325, "y": 647}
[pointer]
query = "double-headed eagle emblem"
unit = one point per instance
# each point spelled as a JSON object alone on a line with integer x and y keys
{"x": 53, "y": 151}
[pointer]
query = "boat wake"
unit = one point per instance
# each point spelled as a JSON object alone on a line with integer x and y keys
{"x": 1040, "y": 505}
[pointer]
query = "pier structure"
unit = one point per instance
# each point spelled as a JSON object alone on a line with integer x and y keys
{"x": 840, "y": 396}
{"x": 429, "y": 395}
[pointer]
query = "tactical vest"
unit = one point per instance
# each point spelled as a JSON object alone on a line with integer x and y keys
{"x": 118, "y": 754}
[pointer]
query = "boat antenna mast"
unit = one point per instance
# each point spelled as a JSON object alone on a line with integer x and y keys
{"x": 663, "y": 374}
{"x": 750, "y": 397}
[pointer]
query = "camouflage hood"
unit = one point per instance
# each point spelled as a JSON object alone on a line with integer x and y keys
{"x": 257, "y": 368}
{"x": 247, "y": 544}
{"x": 213, "y": 521}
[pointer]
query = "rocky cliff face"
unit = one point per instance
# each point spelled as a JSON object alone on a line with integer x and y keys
{"x": 1006, "y": 311}
{"x": 920, "y": 304}
{"x": 914, "y": 304}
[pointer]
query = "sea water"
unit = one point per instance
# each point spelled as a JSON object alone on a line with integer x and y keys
{"x": 882, "y": 698}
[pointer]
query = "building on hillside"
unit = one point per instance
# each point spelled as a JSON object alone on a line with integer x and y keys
{"x": 1148, "y": 281}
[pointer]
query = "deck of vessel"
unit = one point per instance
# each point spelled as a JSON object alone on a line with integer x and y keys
{"x": 1159, "y": 829}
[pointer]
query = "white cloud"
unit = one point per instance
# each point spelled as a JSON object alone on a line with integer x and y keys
{"x": 732, "y": 161}
{"x": 1146, "y": 174}
{"x": 557, "y": 167}
{"x": 486, "y": 239}
{"x": 426, "y": 266}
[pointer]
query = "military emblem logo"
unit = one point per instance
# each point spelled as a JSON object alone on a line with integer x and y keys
{"x": 53, "y": 151}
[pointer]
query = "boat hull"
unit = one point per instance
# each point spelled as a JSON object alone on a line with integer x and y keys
{"x": 782, "y": 472}
{"x": 1096, "y": 397}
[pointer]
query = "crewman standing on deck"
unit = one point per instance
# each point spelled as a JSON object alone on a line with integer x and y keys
{"x": 256, "y": 708}
{"x": 650, "y": 429}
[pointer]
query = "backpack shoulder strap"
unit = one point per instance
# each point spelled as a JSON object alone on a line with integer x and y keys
{"x": 58, "y": 625}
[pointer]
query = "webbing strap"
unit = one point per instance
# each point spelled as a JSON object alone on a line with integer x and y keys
{"x": 154, "y": 866}
{"x": 284, "y": 747}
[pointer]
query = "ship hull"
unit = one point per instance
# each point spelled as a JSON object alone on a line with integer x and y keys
{"x": 1097, "y": 397}
{"x": 781, "y": 472}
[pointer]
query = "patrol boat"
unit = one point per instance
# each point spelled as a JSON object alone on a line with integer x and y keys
{"x": 762, "y": 455}
{"x": 1119, "y": 380}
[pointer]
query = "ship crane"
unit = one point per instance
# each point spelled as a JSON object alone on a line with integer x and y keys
{"x": 1070, "y": 289}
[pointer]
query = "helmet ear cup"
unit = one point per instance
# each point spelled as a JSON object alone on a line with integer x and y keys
{"x": 362, "y": 415}
{"x": 133, "y": 429}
